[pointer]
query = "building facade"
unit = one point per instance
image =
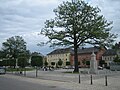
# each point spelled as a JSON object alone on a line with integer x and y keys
{"x": 109, "y": 56}
{"x": 84, "y": 55}
{"x": 59, "y": 54}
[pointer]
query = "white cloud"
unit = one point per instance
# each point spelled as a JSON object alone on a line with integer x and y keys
{"x": 111, "y": 11}
{"x": 27, "y": 17}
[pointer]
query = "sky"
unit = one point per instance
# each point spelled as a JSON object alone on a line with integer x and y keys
{"x": 26, "y": 18}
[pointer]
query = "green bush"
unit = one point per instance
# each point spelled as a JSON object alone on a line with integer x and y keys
{"x": 67, "y": 63}
{"x": 60, "y": 62}
{"x": 87, "y": 62}
{"x": 52, "y": 63}
{"x": 117, "y": 59}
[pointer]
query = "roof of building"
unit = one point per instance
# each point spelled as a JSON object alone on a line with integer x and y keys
{"x": 70, "y": 50}
{"x": 88, "y": 50}
{"x": 110, "y": 52}
{"x": 36, "y": 54}
{"x": 60, "y": 51}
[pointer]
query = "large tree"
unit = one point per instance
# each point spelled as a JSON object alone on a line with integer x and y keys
{"x": 13, "y": 47}
{"x": 75, "y": 24}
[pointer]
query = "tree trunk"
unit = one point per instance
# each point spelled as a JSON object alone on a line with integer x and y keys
{"x": 75, "y": 43}
{"x": 76, "y": 69}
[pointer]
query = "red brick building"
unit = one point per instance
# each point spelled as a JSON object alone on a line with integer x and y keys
{"x": 84, "y": 55}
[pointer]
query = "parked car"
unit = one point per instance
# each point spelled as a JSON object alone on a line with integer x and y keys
{"x": 100, "y": 68}
{"x": 2, "y": 70}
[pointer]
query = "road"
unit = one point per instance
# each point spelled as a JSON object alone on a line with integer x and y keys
{"x": 57, "y": 80}
{"x": 58, "y": 75}
{"x": 16, "y": 84}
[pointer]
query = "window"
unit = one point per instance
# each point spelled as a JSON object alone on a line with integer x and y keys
{"x": 105, "y": 58}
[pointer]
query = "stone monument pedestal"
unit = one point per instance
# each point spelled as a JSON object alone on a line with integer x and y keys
{"x": 93, "y": 64}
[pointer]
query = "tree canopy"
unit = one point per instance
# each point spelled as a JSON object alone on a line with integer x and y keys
{"x": 23, "y": 59}
{"x": 46, "y": 63}
{"x": 14, "y": 47}
{"x": 37, "y": 61}
{"x": 22, "y": 62}
{"x": 75, "y": 24}
{"x": 117, "y": 59}
{"x": 116, "y": 46}
{"x": 60, "y": 62}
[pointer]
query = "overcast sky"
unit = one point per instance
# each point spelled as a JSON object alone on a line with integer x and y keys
{"x": 26, "y": 18}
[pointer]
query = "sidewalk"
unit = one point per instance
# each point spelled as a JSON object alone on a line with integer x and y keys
{"x": 70, "y": 81}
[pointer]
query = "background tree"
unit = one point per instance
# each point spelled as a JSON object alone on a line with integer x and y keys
{"x": 3, "y": 59}
{"x": 60, "y": 62}
{"x": 67, "y": 63}
{"x": 22, "y": 62}
{"x": 2, "y": 55}
{"x": 45, "y": 63}
{"x": 117, "y": 59}
{"x": 116, "y": 46}
{"x": 76, "y": 24}
{"x": 52, "y": 63}
{"x": 87, "y": 62}
{"x": 84, "y": 61}
{"x": 13, "y": 47}
{"x": 4, "y": 62}
{"x": 37, "y": 61}
{"x": 1, "y": 64}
